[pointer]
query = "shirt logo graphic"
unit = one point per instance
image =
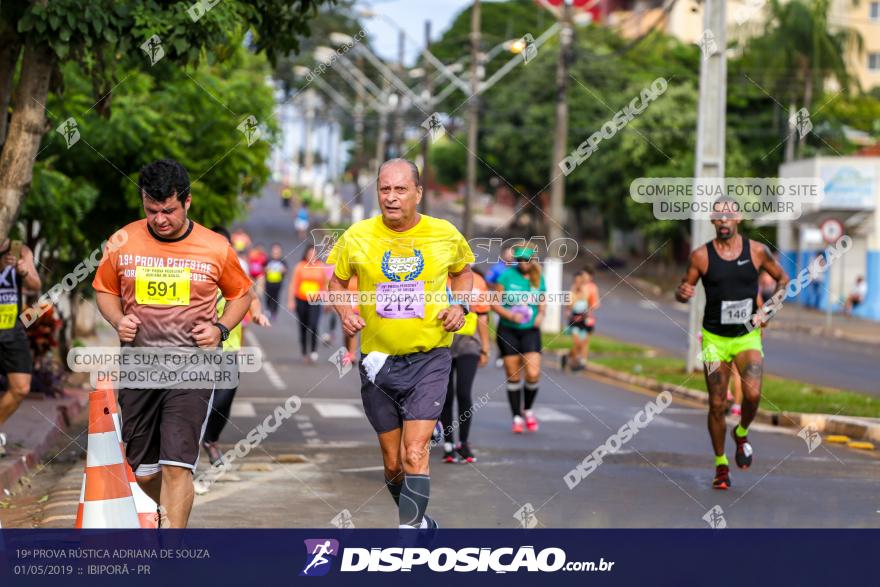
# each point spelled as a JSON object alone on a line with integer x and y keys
{"x": 411, "y": 267}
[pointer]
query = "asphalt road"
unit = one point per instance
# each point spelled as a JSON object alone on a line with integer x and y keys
{"x": 660, "y": 478}
{"x": 322, "y": 467}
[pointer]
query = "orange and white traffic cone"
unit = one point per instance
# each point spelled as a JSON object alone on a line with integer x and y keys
{"x": 106, "y": 498}
{"x": 144, "y": 504}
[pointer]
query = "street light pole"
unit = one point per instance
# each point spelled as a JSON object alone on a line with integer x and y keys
{"x": 557, "y": 179}
{"x": 429, "y": 91}
{"x": 710, "y": 144}
{"x": 473, "y": 118}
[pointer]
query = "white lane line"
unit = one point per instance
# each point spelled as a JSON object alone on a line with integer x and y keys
{"x": 362, "y": 469}
{"x": 242, "y": 410}
{"x": 268, "y": 368}
{"x": 550, "y": 415}
{"x": 338, "y": 410}
{"x": 273, "y": 376}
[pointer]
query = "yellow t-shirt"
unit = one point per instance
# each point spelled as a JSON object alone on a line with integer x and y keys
{"x": 408, "y": 272}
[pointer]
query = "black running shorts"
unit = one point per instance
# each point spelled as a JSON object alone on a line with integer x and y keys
{"x": 163, "y": 427}
{"x": 518, "y": 341}
{"x": 407, "y": 387}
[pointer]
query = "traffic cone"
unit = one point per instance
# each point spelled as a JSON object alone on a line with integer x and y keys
{"x": 144, "y": 504}
{"x": 106, "y": 498}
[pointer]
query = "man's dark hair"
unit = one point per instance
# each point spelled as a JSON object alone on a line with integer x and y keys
{"x": 589, "y": 270}
{"x": 163, "y": 179}
{"x": 729, "y": 204}
{"x": 413, "y": 168}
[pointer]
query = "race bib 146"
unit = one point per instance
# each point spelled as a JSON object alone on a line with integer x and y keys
{"x": 736, "y": 311}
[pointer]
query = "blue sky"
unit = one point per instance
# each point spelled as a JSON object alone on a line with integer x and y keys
{"x": 411, "y": 16}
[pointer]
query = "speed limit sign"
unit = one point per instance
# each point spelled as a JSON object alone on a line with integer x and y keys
{"x": 832, "y": 230}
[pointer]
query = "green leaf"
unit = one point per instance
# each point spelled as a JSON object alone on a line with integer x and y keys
{"x": 61, "y": 49}
{"x": 54, "y": 22}
{"x": 26, "y": 23}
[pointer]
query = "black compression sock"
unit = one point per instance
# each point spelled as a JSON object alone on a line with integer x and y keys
{"x": 394, "y": 490}
{"x": 414, "y": 499}
{"x": 514, "y": 395}
{"x": 531, "y": 393}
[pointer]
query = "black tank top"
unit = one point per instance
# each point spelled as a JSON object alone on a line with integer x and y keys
{"x": 731, "y": 292}
{"x": 10, "y": 295}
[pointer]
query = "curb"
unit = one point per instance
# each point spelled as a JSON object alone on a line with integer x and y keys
{"x": 18, "y": 463}
{"x": 646, "y": 288}
{"x": 864, "y": 432}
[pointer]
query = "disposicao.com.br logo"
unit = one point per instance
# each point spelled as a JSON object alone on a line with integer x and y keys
{"x": 320, "y": 553}
{"x": 441, "y": 560}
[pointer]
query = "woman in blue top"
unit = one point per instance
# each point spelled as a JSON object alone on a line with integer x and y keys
{"x": 519, "y": 334}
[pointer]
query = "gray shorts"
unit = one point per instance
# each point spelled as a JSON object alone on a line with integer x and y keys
{"x": 407, "y": 387}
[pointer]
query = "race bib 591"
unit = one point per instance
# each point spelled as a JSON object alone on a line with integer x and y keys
{"x": 162, "y": 286}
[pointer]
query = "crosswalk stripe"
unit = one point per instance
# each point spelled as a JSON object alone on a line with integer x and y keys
{"x": 338, "y": 410}
{"x": 550, "y": 415}
{"x": 242, "y": 410}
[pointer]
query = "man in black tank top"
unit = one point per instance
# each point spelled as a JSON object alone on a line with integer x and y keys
{"x": 728, "y": 267}
{"x": 16, "y": 271}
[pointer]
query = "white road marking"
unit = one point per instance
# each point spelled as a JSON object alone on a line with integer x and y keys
{"x": 338, "y": 410}
{"x": 242, "y": 410}
{"x": 550, "y": 415}
{"x": 362, "y": 469}
{"x": 268, "y": 368}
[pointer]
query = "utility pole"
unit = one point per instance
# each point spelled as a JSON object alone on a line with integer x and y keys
{"x": 426, "y": 145}
{"x": 473, "y": 117}
{"x": 383, "y": 127}
{"x": 397, "y": 142}
{"x": 307, "y": 143}
{"x": 710, "y": 144}
{"x": 560, "y": 138}
{"x": 359, "y": 135}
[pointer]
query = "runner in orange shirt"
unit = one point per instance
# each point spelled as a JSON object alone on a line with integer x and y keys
{"x": 309, "y": 279}
{"x": 159, "y": 289}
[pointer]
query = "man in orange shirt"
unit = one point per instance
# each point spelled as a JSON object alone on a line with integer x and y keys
{"x": 159, "y": 289}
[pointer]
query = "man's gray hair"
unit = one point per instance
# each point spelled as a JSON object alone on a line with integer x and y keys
{"x": 412, "y": 168}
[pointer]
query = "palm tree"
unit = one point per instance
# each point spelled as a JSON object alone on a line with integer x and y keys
{"x": 800, "y": 52}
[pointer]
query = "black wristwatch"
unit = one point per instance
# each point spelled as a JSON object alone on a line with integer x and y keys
{"x": 224, "y": 332}
{"x": 464, "y": 306}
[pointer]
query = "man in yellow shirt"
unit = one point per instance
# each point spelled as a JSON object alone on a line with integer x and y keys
{"x": 403, "y": 260}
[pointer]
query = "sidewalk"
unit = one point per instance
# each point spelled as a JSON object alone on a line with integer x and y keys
{"x": 33, "y": 429}
{"x": 40, "y": 423}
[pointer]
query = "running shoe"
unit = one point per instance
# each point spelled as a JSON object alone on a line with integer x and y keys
{"x": 214, "y": 455}
{"x": 743, "y": 450}
{"x": 432, "y": 523}
{"x": 2, "y": 444}
{"x": 736, "y": 410}
{"x": 517, "y": 425}
{"x": 531, "y": 422}
{"x": 464, "y": 451}
{"x": 722, "y": 477}
{"x": 449, "y": 453}
{"x": 313, "y": 357}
